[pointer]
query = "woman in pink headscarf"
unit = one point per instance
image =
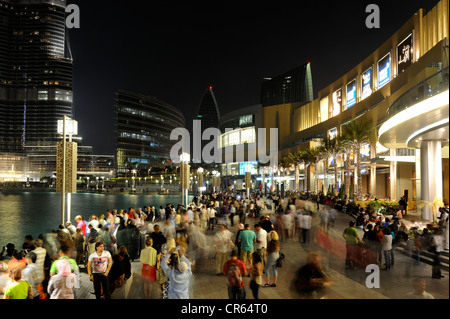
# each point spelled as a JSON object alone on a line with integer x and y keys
{"x": 62, "y": 284}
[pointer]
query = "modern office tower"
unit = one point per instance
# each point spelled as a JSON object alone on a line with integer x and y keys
{"x": 208, "y": 110}
{"x": 144, "y": 124}
{"x": 35, "y": 73}
{"x": 290, "y": 87}
{"x": 209, "y": 115}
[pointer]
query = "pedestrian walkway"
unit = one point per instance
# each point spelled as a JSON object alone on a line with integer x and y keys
{"x": 347, "y": 284}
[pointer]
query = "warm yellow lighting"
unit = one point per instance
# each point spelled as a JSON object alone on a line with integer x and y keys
{"x": 418, "y": 109}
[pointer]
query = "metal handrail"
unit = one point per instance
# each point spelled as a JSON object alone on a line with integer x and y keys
{"x": 431, "y": 86}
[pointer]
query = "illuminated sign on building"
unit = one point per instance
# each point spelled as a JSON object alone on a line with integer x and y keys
{"x": 336, "y": 103}
{"x": 404, "y": 54}
{"x": 245, "y": 120}
{"x": 351, "y": 94}
{"x": 384, "y": 70}
{"x": 366, "y": 83}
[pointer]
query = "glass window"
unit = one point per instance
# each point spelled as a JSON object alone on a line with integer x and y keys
{"x": 248, "y": 135}
{"x": 42, "y": 95}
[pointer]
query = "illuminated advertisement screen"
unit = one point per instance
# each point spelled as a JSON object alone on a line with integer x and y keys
{"x": 351, "y": 94}
{"x": 384, "y": 70}
{"x": 366, "y": 84}
{"x": 365, "y": 150}
{"x": 336, "y": 103}
{"x": 251, "y": 167}
{"x": 332, "y": 133}
{"x": 404, "y": 54}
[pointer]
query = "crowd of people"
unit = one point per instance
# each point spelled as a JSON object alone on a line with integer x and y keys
{"x": 378, "y": 235}
{"x": 247, "y": 234}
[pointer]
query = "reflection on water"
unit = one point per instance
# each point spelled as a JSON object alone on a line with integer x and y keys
{"x": 32, "y": 213}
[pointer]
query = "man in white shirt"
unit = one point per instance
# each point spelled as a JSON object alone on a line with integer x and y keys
{"x": 261, "y": 242}
{"x": 304, "y": 220}
{"x": 212, "y": 218}
{"x": 40, "y": 257}
{"x": 99, "y": 265}
{"x": 223, "y": 245}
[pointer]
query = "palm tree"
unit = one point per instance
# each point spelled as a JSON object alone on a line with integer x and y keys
{"x": 358, "y": 133}
{"x": 333, "y": 148}
{"x": 312, "y": 156}
{"x": 297, "y": 159}
{"x": 285, "y": 163}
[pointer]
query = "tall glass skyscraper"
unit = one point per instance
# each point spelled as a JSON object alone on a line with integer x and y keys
{"x": 208, "y": 110}
{"x": 35, "y": 73}
{"x": 290, "y": 87}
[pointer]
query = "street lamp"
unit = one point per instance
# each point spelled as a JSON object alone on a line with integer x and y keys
{"x": 184, "y": 177}
{"x": 66, "y": 158}
{"x": 200, "y": 182}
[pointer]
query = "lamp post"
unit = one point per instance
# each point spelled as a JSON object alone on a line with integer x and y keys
{"x": 66, "y": 158}
{"x": 184, "y": 177}
{"x": 200, "y": 182}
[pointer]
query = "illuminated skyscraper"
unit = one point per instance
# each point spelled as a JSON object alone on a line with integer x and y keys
{"x": 35, "y": 73}
{"x": 143, "y": 127}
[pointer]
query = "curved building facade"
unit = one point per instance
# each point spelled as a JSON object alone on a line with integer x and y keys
{"x": 143, "y": 127}
{"x": 402, "y": 88}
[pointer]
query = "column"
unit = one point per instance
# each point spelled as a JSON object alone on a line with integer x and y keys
{"x": 393, "y": 176}
{"x": 373, "y": 180}
{"x": 431, "y": 176}
{"x": 373, "y": 173}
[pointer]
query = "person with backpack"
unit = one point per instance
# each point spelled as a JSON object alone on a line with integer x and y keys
{"x": 235, "y": 271}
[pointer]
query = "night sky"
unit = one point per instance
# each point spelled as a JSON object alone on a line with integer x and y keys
{"x": 175, "y": 50}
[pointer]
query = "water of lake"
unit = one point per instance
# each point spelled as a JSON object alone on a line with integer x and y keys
{"x": 33, "y": 213}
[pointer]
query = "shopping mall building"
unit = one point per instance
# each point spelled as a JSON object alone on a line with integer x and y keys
{"x": 402, "y": 87}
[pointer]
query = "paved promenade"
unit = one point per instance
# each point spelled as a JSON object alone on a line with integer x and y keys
{"x": 347, "y": 284}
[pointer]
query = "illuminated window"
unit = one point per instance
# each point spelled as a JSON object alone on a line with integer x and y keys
{"x": 42, "y": 95}
{"x": 63, "y": 95}
{"x": 234, "y": 137}
{"x": 323, "y": 109}
{"x": 238, "y": 136}
{"x": 248, "y": 135}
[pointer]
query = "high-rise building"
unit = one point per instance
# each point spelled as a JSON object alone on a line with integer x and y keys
{"x": 144, "y": 124}
{"x": 290, "y": 87}
{"x": 209, "y": 115}
{"x": 35, "y": 73}
{"x": 208, "y": 110}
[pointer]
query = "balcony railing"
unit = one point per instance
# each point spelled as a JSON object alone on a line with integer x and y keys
{"x": 431, "y": 86}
